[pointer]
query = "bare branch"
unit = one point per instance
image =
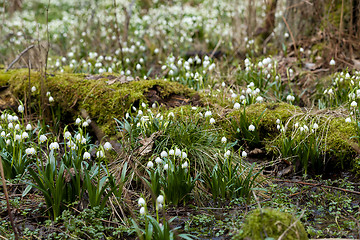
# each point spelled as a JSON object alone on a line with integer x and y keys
{"x": 19, "y": 56}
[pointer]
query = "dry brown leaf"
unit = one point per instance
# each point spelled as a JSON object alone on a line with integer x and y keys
{"x": 285, "y": 171}
{"x": 147, "y": 143}
{"x": 121, "y": 79}
{"x": 356, "y": 64}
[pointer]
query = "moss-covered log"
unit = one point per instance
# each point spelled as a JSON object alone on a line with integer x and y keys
{"x": 104, "y": 97}
{"x": 338, "y": 139}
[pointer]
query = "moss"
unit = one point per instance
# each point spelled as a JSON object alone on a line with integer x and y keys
{"x": 269, "y": 112}
{"x": 214, "y": 100}
{"x": 5, "y": 77}
{"x": 333, "y": 10}
{"x": 271, "y": 223}
{"x": 102, "y": 101}
{"x": 339, "y": 140}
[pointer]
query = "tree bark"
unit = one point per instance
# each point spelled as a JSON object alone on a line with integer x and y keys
{"x": 264, "y": 32}
{"x": 303, "y": 17}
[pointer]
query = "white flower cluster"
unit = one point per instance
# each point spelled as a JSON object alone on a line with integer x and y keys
{"x": 166, "y": 155}
{"x": 81, "y": 122}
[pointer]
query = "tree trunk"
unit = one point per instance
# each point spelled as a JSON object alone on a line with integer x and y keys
{"x": 264, "y": 32}
{"x": 303, "y": 17}
{"x": 15, "y": 5}
{"x": 251, "y": 19}
{"x": 356, "y": 18}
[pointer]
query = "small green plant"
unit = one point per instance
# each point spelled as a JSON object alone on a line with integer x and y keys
{"x": 343, "y": 90}
{"x": 98, "y": 187}
{"x": 229, "y": 179}
{"x": 154, "y": 228}
{"x": 178, "y": 182}
{"x": 310, "y": 154}
{"x": 16, "y": 163}
{"x": 172, "y": 175}
{"x": 303, "y": 146}
{"x": 260, "y": 74}
{"x": 87, "y": 224}
{"x": 246, "y": 130}
{"x": 50, "y": 180}
{"x": 193, "y": 132}
{"x": 65, "y": 179}
{"x": 193, "y": 72}
{"x": 154, "y": 182}
{"x": 144, "y": 124}
{"x": 14, "y": 141}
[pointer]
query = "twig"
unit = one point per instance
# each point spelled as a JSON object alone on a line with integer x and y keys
{"x": 3, "y": 237}
{"x": 352, "y": 30}
{"x": 308, "y": 2}
{"x": 7, "y": 200}
{"x": 19, "y": 56}
{"x": 343, "y": 61}
{"x": 122, "y": 212}
{"x": 3, "y": 15}
{"x": 318, "y": 185}
{"x": 127, "y": 19}
{"x": 257, "y": 200}
{"x": 118, "y": 36}
{"x": 29, "y": 89}
{"x": 291, "y": 226}
{"x": 341, "y": 19}
{"x": 291, "y": 35}
{"x": 216, "y": 48}
{"x": 47, "y": 37}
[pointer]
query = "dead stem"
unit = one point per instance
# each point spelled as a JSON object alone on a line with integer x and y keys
{"x": 7, "y": 201}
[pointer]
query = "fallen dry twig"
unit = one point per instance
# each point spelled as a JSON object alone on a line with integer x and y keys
{"x": 318, "y": 185}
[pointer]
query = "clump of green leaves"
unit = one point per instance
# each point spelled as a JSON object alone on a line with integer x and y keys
{"x": 91, "y": 223}
{"x": 230, "y": 179}
{"x": 303, "y": 145}
{"x": 172, "y": 176}
{"x": 191, "y": 130}
{"x": 246, "y": 130}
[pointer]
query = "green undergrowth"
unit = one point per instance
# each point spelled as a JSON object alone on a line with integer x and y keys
{"x": 103, "y": 101}
{"x": 327, "y": 211}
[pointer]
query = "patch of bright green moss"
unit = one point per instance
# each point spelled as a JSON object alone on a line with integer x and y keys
{"x": 271, "y": 223}
{"x": 5, "y": 77}
{"x": 340, "y": 140}
{"x": 269, "y": 113}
